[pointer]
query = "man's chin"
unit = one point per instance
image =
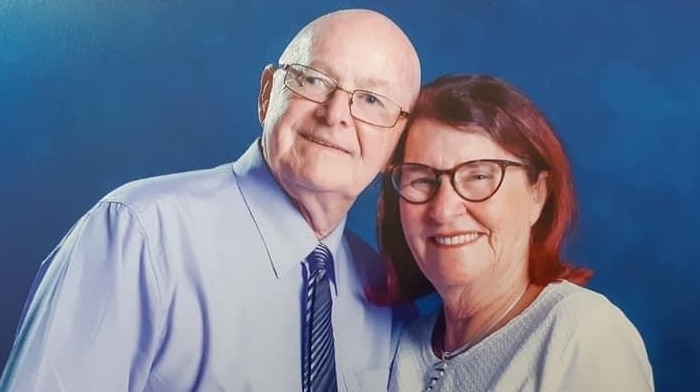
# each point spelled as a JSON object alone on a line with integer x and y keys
{"x": 319, "y": 180}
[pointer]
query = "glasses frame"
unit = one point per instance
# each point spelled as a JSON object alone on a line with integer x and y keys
{"x": 336, "y": 86}
{"x": 502, "y": 163}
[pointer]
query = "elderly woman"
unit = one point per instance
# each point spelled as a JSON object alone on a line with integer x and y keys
{"x": 475, "y": 205}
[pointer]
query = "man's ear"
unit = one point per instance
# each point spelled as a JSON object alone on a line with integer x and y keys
{"x": 264, "y": 93}
{"x": 540, "y": 193}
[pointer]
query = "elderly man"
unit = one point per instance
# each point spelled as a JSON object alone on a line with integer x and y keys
{"x": 240, "y": 277}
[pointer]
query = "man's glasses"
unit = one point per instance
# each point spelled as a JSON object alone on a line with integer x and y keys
{"x": 473, "y": 181}
{"x": 366, "y": 106}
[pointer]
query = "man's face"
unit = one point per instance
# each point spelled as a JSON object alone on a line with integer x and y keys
{"x": 319, "y": 147}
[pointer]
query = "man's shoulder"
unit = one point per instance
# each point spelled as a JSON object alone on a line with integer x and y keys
{"x": 145, "y": 192}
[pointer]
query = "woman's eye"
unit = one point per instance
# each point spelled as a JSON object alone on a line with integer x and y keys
{"x": 422, "y": 182}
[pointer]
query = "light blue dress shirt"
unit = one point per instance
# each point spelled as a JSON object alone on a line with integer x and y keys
{"x": 193, "y": 282}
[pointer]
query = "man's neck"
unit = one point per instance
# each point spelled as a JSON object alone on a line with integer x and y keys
{"x": 322, "y": 211}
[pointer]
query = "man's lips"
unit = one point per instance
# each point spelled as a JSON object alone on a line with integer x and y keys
{"x": 324, "y": 143}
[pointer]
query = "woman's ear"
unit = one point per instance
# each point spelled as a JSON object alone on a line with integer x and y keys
{"x": 265, "y": 91}
{"x": 539, "y": 193}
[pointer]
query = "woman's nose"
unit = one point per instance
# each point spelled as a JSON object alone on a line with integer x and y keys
{"x": 446, "y": 204}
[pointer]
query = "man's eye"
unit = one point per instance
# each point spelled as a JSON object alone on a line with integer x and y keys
{"x": 370, "y": 99}
{"x": 312, "y": 80}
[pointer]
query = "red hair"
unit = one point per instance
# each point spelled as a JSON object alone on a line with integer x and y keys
{"x": 517, "y": 126}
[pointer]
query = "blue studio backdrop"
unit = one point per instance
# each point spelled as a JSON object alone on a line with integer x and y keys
{"x": 97, "y": 93}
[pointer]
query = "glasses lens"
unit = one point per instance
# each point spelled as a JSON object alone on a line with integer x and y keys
{"x": 478, "y": 180}
{"x": 309, "y": 83}
{"x": 414, "y": 182}
{"x": 365, "y": 106}
{"x": 374, "y": 108}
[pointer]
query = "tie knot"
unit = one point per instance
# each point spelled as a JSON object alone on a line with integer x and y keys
{"x": 320, "y": 257}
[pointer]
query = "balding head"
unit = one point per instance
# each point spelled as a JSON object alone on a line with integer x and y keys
{"x": 372, "y": 34}
{"x": 325, "y": 149}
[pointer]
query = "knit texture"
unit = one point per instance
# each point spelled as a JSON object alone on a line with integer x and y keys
{"x": 569, "y": 339}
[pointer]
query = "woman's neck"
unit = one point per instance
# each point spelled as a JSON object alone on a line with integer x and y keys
{"x": 469, "y": 318}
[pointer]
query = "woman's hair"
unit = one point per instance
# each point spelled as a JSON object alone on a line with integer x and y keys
{"x": 516, "y": 125}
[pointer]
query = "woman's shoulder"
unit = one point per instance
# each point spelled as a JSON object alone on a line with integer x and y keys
{"x": 571, "y": 294}
{"x": 568, "y": 304}
{"x": 592, "y": 342}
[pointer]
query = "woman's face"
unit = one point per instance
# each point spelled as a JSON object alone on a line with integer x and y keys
{"x": 457, "y": 242}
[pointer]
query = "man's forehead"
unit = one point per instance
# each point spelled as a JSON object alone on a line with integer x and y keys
{"x": 360, "y": 76}
{"x": 359, "y": 58}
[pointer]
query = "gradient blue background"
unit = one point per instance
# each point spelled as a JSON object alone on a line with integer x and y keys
{"x": 97, "y": 93}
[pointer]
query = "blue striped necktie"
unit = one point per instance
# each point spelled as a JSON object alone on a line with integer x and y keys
{"x": 318, "y": 354}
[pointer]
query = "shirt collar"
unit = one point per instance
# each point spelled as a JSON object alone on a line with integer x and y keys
{"x": 287, "y": 236}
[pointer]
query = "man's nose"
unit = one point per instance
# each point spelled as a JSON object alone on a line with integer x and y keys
{"x": 336, "y": 109}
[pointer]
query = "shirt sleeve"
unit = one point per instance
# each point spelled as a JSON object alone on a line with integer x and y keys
{"x": 605, "y": 354}
{"x": 93, "y": 317}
